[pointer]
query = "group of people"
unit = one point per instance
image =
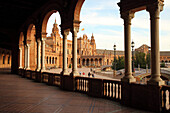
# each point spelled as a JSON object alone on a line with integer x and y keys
{"x": 89, "y": 73}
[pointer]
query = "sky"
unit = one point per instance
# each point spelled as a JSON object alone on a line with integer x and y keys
{"x": 103, "y": 20}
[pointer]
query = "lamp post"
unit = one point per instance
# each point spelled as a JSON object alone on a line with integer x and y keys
{"x": 114, "y": 47}
{"x": 133, "y": 68}
{"x": 149, "y": 51}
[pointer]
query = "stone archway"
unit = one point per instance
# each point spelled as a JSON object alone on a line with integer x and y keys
{"x": 31, "y": 47}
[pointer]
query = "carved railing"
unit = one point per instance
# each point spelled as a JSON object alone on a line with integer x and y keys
{"x": 99, "y": 87}
{"x": 82, "y": 84}
{"x": 165, "y": 97}
{"x": 112, "y": 89}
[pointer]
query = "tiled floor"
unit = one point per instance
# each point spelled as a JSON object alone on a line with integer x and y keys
{"x": 20, "y": 95}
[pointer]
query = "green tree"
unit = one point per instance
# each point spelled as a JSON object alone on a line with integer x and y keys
{"x": 148, "y": 60}
{"x": 140, "y": 59}
{"x": 163, "y": 64}
{"x": 120, "y": 63}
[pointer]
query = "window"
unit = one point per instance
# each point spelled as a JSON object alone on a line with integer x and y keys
{"x": 8, "y": 59}
{"x": 3, "y": 59}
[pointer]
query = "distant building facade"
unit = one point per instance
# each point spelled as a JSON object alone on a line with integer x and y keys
{"x": 164, "y": 55}
{"x": 88, "y": 55}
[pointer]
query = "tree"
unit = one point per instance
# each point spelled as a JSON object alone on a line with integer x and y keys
{"x": 140, "y": 59}
{"x": 120, "y": 63}
{"x": 148, "y": 60}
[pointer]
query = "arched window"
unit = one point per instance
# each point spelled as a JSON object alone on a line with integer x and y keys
{"x": 47, "y": 60}
{"x": 4, "y": 59}
{"x": 8, "y": 59}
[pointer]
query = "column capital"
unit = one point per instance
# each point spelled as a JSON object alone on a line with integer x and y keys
{"x": 28, "y": 41}
{"x": 75, "y": 30}
{"x": 43, "y": 34}
{"x": 20, "y": 48}
{"x": 155, "y": 9}
{"x": 38, "y": 41}
{"x": 43, "y": 39}
{"x": 127, "y": 16}
{"x": 66, "y": 32}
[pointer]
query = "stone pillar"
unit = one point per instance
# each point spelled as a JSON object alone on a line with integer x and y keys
{"x": 43, "y": 51}
{"x": 127, "y": 16}
{"x": 74, "y": 53}
{"x": 28, "y": 55}
{"x": 65, "y": 34}
{"x": 154, "y": 11}
{"x": 38, "y": 54}
{"x": 25, "y": 57}
{"x": 20, "y": 57}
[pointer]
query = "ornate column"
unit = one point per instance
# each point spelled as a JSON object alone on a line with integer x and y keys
{"x": 65, "y": 34}
{"x": 74, "y": 49}
{"x": 154, "y": 11}
{"x": 25, "y": 57}
{"x": 20, "y": 57}
{"x": 28, "y": 57}
{"x": 127, "y": 17}
{"x": 43, "y": 51}
{"x": 38, "y": 54}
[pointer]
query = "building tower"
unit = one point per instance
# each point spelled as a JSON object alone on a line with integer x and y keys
{"x": 93, "y": 43}
{"x": 55, "y": 37}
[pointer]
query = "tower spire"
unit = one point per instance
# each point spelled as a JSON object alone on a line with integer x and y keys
{"x": 55, "y": 20}
{"x": 92, "y": 37}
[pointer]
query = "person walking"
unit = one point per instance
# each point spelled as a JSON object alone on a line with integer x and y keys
{"x": 89, "y": 74}
{"x": 92, "y": 74}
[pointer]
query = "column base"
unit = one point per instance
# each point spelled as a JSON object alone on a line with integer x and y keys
{"x": 27, "y": 69}
{"x": 42, "y": 70}
{"x": 156, "y": 80}
{"x": 128, "y": 80}
{"x": 156, "y": 83}
{"x": 65, "y": 73}
{"x": 38, "y": 70}
{"x": 74, "y": 73}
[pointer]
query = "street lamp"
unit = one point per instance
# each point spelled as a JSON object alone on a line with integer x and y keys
{"x": 149, "y": 51}
{"x": 114, "y": 47}
{"x": 133, "y": 68}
